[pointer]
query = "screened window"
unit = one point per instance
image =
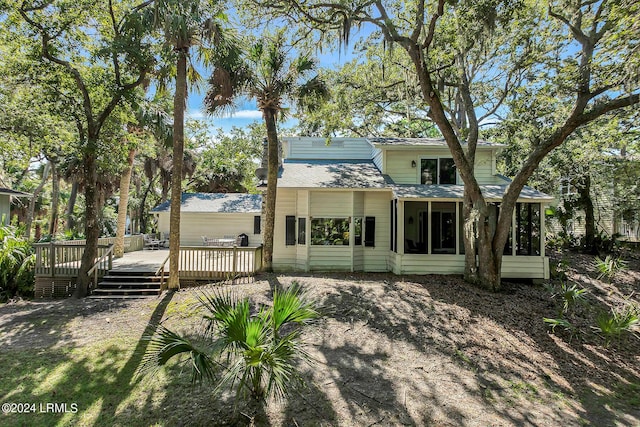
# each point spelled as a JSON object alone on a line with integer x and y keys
{"x": 302, "y": 231}
{"x": 357, "y": 231}
{"x": 330, "y": 231}
{"x": 443, "y": 228}
{"x": 528, "y": 228}
{"x": 256, "y": 224}
{"x": 370, "y": 231}
{"x": 437, "y": 171}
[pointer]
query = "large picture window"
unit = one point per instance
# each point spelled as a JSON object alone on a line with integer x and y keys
{"x": 437, "y": 171}
{"x": 330, "y": 231}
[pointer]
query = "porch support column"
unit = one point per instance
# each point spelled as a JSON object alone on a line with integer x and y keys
{"x": 514, "y": 244}
{"x": 543, "y": 232}
{"x": 401, "y": 224}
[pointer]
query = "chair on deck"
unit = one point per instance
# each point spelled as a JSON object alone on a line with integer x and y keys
{"x": 150, "y": 242}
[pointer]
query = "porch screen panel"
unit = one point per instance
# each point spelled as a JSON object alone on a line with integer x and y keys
{"x": 290, "y": 225}
{"x": 370, "y": 231}
{"x": 443, "y": 228}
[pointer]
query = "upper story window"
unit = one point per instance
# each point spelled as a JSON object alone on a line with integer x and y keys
{"x": 437, "y": 171}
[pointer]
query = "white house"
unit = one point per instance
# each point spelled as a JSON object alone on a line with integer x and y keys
{"x": 214, "y": 215}
{"x": 5, "y": 203}
{"x": 392, "y": 204}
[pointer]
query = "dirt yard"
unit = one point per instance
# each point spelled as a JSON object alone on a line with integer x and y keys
{"x": 390, "y": 350}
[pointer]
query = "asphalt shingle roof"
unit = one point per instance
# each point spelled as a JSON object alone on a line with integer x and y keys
{"x": 13, "y": 192}
{"x": 330, "y": 174}
{"x": 422, "y": 141}
{"x": 494, "y": 192}
{"x": 216, "y": 202}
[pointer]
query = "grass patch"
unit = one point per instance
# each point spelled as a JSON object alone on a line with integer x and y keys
{"x": 98, "y": 379}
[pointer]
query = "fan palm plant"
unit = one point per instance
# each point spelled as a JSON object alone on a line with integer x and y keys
{"x": 253, "y": 354}
{"x": 270, "y": 76}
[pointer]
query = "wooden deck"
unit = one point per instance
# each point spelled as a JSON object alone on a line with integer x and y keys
{"x": 57, "y": 266}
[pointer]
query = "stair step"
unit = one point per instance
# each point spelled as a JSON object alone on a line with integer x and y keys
{"x": 128, "y": 286}
{"x": 126, "y": 292}
{"x": 131, "y": 277}
{"x": 121, "y": 296}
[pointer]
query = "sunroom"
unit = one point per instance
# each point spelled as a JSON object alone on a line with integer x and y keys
{"x": 426, "y": 233}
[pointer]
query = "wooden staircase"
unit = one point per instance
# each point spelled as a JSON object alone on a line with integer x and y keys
{"x": 128, "y": 284}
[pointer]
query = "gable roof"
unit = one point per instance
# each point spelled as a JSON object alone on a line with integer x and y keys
{"x": 330, "y": 174}
{"x": 412, "y": 142}
{"x": 216, "y": 203}
{"x": 15, "y": 193}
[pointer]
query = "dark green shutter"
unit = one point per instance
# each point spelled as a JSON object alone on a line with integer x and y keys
{"x": 256, "y": 224}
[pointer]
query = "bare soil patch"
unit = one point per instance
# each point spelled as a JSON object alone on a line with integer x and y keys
{"x": 396, "y": 350}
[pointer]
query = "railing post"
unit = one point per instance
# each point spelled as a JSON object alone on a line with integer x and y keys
{"x": 52, "y": 259}
{"x": 233, "y": 269}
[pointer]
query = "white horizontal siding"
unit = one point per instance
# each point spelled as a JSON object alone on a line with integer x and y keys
{"x": 284, "y": 257}
{"x": 336, "y": 148}
{"x": 330, "y": 204}
{"x": 399, "y": 168}
{"x": 194, "y": 225}
{"x": 330, "y": 258}
{"x": 517, "y": 267}
{"x": 377, "y": 205}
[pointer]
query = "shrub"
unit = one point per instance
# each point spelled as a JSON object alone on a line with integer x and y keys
{"x": 618, "y": 322}
{"x": 609, "y": 267}
{"x": 16, "y": 264}
{"x": 569, "y": 295}
{"x": 255, "y": 354}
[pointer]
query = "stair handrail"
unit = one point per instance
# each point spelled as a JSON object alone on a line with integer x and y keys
{"x": 160, "y": 271}
{"x": 94, "y": 270}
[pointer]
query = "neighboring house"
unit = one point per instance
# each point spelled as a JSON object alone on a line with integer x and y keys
{"x": 214, "y": 215}
{"x": 392, "y": 204}
{"x": 5, "y": 203}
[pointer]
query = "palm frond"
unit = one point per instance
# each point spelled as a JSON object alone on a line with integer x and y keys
{"x": 164, "y": 345}
{"x": 291, "y": 305}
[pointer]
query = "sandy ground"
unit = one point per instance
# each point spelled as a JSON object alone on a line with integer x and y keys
{"x": 404, "y": 350}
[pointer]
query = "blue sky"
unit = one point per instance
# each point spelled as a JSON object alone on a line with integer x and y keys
{"x": 247, "y": 111}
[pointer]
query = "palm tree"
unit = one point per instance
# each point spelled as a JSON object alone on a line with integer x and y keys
{"x": 269, "y": 76}
{"x": 252, "y": 353}
{"x": 185, "y": 24}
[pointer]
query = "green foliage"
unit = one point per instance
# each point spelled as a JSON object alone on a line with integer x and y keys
{"x": 569, "y": 296}
{"x": 559, "y": 269}
{"x": 609, "y": 267}
{"x": 16, "y": 264}
{"x": 251, "y": 352}
{"x": 618, "y": 322}
{"x": 560, "y": 322}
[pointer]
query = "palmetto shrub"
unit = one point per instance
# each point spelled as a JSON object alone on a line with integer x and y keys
{"x": 618, "y": 322}
{"x": 254, "y": 354}
{"x": 609, "y": 267}
{"x": 16, "y": 264}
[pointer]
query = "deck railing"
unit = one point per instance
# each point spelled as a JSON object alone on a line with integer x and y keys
{"x": 219, "y": 262}
{"x": 57, "y": 259}
{"x": 131, "y": 243}
{"x": 101, "y": 267}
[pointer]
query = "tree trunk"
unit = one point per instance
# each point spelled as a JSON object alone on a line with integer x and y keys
{"x": 272, "y": 186}
{"x": 176, "y": 181}
{"x": 586, "y": 203}
{"x": 92, "y": 215}
{"x": 34, "y": 198}
{"x": 55, "y": 200}
{"x": 123, "y": 204}
{"x": 70, "y": 225}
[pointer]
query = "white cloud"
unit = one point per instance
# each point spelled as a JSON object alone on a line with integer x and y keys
{"x": 247, "y": 114}
{"x": 241, "y": 114}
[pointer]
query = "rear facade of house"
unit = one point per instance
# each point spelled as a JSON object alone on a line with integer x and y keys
{"x": 392, "y": 204}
